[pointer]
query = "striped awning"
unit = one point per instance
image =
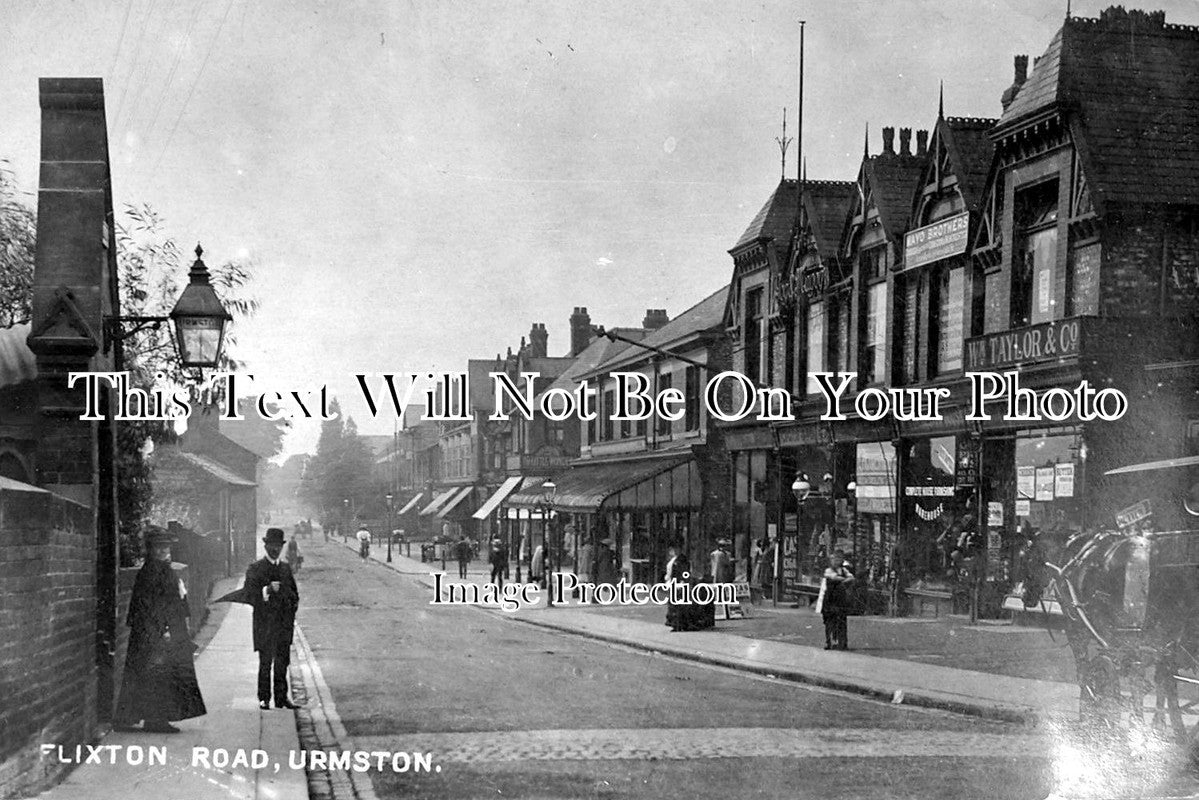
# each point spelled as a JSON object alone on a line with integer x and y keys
{"x": 507, "y": 488}
{"x": 437, "y": 501}
{"x": 412, "y": 503}
{"x": 454, "y": 501}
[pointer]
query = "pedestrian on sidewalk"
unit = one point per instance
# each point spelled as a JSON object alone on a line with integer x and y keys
{"x": 364, "y": 542}
{"x": 159, "y": 684}
{"x": 463, "y": 552}
{"x": 834, "y": 602}
{"x": 678, "y": 570}
{"x": 271, "y": 589}
{"x": 499, "y": 562}
{"x": 293, "y": 554}
{"x": 723, "y": 570}
{"x": 537, "y": 566}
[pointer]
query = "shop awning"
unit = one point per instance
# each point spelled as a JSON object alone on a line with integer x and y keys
{"x": 586, "y": 487}
{"x": 507, "y": 488}
{"x": 411, "y": 503}
{"x": 454, "y": 501}
{"x": 437, "y": 501}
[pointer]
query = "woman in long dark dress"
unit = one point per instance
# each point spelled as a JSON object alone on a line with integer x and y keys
{"x": 159, "y": 683}
{"x": 676, "y": 566}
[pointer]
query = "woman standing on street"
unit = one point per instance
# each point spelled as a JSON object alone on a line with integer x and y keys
{"x": 159, "y": 684}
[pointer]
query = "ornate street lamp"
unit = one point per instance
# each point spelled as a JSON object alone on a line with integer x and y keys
{"x": 547, "y": 506}
{"x": 199, "y": 320}
{"x": 801, "y": 488}
{"x": 388, "y": 496}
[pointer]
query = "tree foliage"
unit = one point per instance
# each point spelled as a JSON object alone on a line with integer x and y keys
{"x": 18, "y": 237}
{"x": 342, "y": 470}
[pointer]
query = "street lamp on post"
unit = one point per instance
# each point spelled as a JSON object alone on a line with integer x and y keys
{"x": 547, "y": 506}
{"x": 388, "y": 496}
{"x": 801, "y": 488}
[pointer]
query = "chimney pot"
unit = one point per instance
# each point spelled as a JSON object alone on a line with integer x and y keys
{"x": 654, "y": 318}
{"x": 580, "y": 330}
{"x": 921, "y": 143}
{"x": 1021, "y": 69}
{"x": 905, "y": 141}
{"x": 888, "y": 141}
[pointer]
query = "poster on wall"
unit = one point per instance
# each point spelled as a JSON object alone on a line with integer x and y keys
{"x": 1044, "y": 487}
{"x": 994, "y": 515}
{"x": 1063, "y": 480}
{"x": 1023, "y": 507}
{"x": 1026, "y": 482}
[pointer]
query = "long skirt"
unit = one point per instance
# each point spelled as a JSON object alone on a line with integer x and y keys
{"x": 160, "y": 684}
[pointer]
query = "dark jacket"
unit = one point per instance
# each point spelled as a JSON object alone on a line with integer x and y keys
{"x": 275, "y": 616}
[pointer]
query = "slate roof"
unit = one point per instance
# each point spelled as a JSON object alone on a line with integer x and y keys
{"x": 704, "y": 315}
{"x": 826, "y": 204}
{"x": 970, "y": 151}
{"x": 776, "y": 220}
{"x": 1128, "y": 84}
{"x": 893, "y": 178}
{"x": 598, "y": 351}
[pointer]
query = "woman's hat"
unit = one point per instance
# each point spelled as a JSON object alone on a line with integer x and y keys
{"x": 273, "y": 536}
{"x": 156, "y": 535}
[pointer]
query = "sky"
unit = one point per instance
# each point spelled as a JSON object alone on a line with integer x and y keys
{"x": 419, "y": 182}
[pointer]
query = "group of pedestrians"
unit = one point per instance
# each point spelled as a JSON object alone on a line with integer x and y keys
{"x": 159, "y": 684}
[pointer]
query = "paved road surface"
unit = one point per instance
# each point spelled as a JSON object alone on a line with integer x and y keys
{"x": 510, "y": 710}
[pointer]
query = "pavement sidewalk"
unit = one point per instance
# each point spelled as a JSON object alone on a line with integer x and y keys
{"x": 992, "y": 671}
{"x": 227, "y": 673}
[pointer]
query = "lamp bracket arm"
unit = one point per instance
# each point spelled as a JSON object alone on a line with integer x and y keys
{"x": 114, "y": 326}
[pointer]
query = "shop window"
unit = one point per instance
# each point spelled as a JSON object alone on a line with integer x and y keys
{"x": 872, "y": 366}
{"x": 1034, "y": 255}
{"x": 752, "y": 334}
{"x": 1048, "y": 481}
{"x": 641, "y": 428}
{"x": 946, "y": 317}
{"x": 872, "y": 264}
{"x": 816, "y": 354}
{"x": 692, "y": 394}
{"x": 665, "y": 381}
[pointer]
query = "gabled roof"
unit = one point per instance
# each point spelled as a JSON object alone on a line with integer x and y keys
{"x": 1127, "y": 83}
{"x": 893, "y": 177}
{"x": 826, "y": 203}
{"x": 705, "y": 315}
{"x": 970, "y": 153}
{"x": 776, "y": 220}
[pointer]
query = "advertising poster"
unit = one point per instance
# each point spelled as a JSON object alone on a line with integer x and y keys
{"x": 391, "y": 391}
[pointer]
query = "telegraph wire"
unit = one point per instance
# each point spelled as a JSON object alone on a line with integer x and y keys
{"x": 207, "y": 55}
{"x": 120, "y": 40}
{"x": 137, "y": 50}
{"x": 162, "y": 96}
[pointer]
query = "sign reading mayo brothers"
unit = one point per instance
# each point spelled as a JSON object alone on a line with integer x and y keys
{"x": 942, "y": 239}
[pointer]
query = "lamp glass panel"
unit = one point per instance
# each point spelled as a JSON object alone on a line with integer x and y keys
{"x": 199, "y": 340}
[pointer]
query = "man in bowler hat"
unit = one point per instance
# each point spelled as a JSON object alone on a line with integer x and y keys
{"x": 271, "y": 589}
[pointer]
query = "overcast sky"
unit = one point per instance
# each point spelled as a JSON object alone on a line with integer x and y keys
{"x": 420, "y": 181}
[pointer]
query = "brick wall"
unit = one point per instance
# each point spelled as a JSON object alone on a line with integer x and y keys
{"x": 47, "y": 632}
{"x": 1138, "y": 255}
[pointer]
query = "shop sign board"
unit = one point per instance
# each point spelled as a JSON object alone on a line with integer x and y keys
{"x": 966, "y": 473}
{"x": 941, "y": 239}
{"x": 1045, "y": 342}
{"x": 1134, "y": 514}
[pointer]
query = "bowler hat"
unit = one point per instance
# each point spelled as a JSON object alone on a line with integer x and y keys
{"x": 273, "y": 536}
{"x": 156, "y": 535}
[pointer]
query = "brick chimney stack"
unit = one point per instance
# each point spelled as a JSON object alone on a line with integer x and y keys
{"x": 905, "y": 141}
{"x": 1021, "y": 75}
{"x": 580, "y": 330}
{"x": 921, "y": 143}
{"x": 888, "y": 141}
{"x": 538, "y": 341}
{"x": 654, "y": 318}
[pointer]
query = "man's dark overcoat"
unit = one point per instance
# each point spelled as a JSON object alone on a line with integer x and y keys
{"x": 274, "y": 617}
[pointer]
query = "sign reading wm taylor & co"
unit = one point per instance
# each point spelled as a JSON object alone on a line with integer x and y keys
{"x": 1047, "y": 342}
{"x": 942, "y": 239}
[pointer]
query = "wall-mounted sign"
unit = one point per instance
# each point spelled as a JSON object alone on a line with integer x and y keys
{"x": 1026, "y": 482}
{"x": 1046, "y": 342}
{"x": 1063, "y": 480}
{"x": 1044, "y": 484}
{"x": 1134, "y": 514}
{"x": 994, "y": 515}
{"x": 934, "y": 242}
